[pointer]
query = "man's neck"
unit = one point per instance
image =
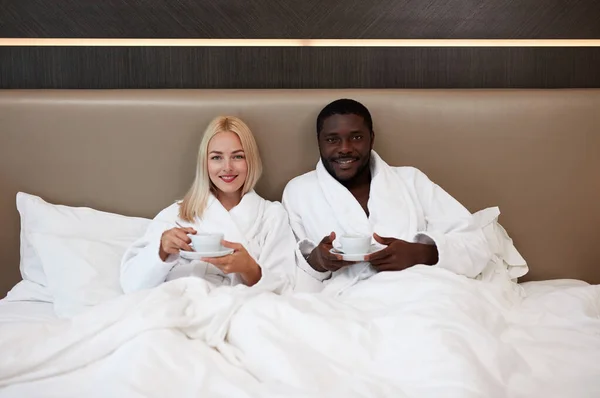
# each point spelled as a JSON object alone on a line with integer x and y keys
{"x": 361, "y": 182}
{"x": 360, "y": 188}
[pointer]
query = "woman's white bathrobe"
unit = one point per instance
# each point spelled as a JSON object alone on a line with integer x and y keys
{"x": 261, "y": 226}
{"x": 403, "y": 204}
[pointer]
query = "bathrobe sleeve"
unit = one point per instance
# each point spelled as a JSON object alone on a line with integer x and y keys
{"x": 277, "y": 258}
{"x": 461, "y": 243}
{"x": 305, "y": 245}
{"x": 141, "y": 266}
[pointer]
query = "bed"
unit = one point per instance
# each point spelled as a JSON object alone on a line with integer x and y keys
{"x": 79, "y": 171}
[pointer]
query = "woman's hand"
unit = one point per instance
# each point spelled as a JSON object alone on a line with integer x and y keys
{"x": 239, "y": 262}
{"x": 173, "y": 240}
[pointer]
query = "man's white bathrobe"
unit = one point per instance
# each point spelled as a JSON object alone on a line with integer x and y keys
{"x": 403, "y": 204}
{"x": 261, "y": 226}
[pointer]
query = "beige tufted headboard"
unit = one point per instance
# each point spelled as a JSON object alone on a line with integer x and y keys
{"x": 533, "y": 153}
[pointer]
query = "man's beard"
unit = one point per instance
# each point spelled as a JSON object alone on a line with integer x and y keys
{"x": 329, "y": 167}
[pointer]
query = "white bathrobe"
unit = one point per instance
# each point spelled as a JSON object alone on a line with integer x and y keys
{"x": 403, "y": 204}
{"x": 261, "y": 226}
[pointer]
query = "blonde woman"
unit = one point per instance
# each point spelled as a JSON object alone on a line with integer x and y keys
{"x": 258, "y": 242}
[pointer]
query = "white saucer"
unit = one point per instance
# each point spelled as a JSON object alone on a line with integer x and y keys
{"x": 357, "y": 256}
{"x": 198, "y": 255}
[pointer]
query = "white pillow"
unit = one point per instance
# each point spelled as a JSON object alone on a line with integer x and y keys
{"x": 506, "y": 258}
{"x": 29, "y": 291}
{"x": 30, "y": 264}
{"x": 75, "y": 251}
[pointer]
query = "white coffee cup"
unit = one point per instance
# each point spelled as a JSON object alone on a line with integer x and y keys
{"x": 355, "y": 244}
{"x": 206, "y": 242}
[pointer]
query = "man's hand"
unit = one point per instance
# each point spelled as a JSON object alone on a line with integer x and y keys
{"x": 400, "y": 254}
{"x": 322, "y": 260}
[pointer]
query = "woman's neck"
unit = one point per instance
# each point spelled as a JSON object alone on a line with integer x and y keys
{"x": 229, "y": 200}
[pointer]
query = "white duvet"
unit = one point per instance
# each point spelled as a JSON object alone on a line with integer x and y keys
{"x": 423, "y": 332}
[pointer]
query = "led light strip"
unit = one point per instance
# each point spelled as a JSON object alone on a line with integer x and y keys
{"x": 32, "y": 42}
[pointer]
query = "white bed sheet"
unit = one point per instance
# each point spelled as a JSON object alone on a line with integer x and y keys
{"x": 25, "y": 311}
{"x": 420, "y": 333}
{"x": 18, "y": 311}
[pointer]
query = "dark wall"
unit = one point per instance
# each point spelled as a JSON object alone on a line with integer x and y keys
{"x": 339, "y": 19}
{"x": 230, "y": 67}
{"x": 300, "y": 67}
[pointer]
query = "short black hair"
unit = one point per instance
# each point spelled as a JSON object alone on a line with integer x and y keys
{"x": 344, "y": 106}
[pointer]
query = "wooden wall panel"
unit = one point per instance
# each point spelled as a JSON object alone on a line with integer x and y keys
{"x": 471, "y": 19}
{"x": 284, "y": 67}
{"x": 297, "y": 67}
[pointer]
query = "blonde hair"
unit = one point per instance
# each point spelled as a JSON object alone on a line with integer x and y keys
{"x": 195, "y": 201}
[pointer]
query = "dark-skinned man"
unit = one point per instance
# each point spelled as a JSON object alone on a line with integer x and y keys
{"x": 353, "y": 191}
